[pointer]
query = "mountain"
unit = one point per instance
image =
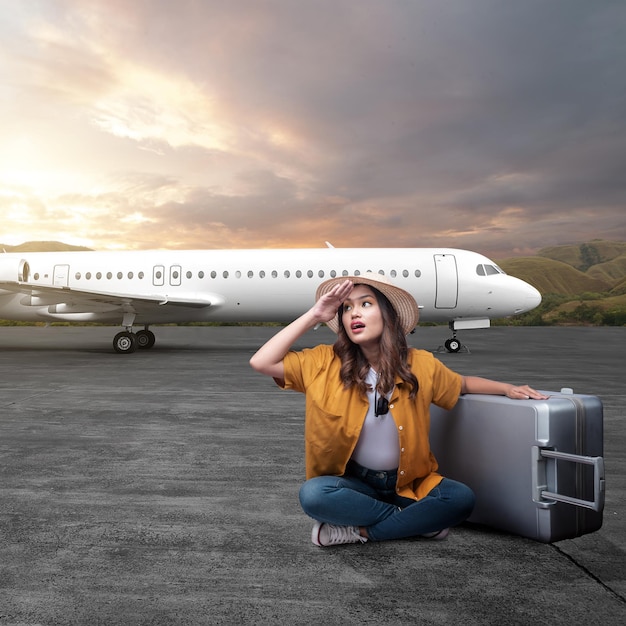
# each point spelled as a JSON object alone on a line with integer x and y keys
{"x": 550, "y": 276}
{"x": 585, "y": 255}
{"x": 598, "y": 267}
{"x": 43, "y": 246}
{"x": 582, "y": 284}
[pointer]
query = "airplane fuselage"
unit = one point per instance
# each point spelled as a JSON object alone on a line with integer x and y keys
{"x": 166, "y": 286}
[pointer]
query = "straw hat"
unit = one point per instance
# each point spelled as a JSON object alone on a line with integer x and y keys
{"x": 402, "y": 301}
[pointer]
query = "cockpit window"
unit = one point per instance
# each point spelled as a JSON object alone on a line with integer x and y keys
{"x": 488, "y": 270}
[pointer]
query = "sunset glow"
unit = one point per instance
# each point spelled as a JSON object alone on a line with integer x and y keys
{"x": 133, "y": 125}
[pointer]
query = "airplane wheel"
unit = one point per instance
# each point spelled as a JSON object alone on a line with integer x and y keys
{"x": 145, "y": 339}
{"x": 453, "y": 345}
{"x": 125, "y": 342}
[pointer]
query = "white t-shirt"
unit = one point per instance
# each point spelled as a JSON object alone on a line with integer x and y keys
{"x": 378, "y": 447}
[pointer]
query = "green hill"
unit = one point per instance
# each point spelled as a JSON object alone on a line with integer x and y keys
{"x": 619, "y": 288}
{"x": 549, "y": 276}
{"x": 585, "y": 255}
{"x": 580, "y": 284}
{"x": 597, "y": 266}
{"x": 43, "y": 246}
{"x": 613, "y": 271}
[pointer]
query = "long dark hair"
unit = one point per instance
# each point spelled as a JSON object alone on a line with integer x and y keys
{"x": 393, "y": 354}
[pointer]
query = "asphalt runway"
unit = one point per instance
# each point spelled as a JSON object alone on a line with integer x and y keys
{"x": 161, "y": 488}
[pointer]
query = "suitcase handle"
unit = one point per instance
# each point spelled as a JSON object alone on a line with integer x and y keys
{"x": 540, "y": 492}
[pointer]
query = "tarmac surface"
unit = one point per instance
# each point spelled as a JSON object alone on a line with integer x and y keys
{"x": 161, "y": 488}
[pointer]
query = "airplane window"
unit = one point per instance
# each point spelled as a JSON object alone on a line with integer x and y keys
{"x": 189, "y": 274}
{"x": 500, "y": 270}
{"x": 99, "y": 275}
{"x": 491, "y": 270}
{"x": 333, "y": 273}
{"x": 262, "y": 274}
{"x": 274, "y": 274}
{"x": 321, "y": 273}
{"x": 213, "y": 274}
{"x": 238, "y": 274}
{"x": 140, "y": 275}
{"x": 77, "y": 275}
{"x": 225, "y": 274}
{"x": 36, "y": 277}
{"x": 158, "y": 275}
{"x": 88, "y": 275}
{"x": 418, "y": 273}
{"x": 480, "y": 270}
{"x": 109, "y": 275}
{"x": 381, "y": 272}
{"x": 130, "y": 274}
{"x": 287, "y": 274}
{"x": 309, "y": 274}
{"x": 405, "y": 273}
{"x": 345, "y": 273}
{"x": 250, "y": 274}
{"x": 357, "y": 273}
{"x": 393, "y": 273}
{"x": 120, "y": 275}
{"x": 298, "y": 274}
{"x": 200, "y": 274}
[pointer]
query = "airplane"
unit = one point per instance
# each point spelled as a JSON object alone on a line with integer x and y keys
{"x": 463, "y": 288}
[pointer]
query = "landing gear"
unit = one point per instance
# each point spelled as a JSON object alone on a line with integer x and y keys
{"x": 453, "y": 344}
{"x": 145, "y": 338}
{"x": 127, "y": 342}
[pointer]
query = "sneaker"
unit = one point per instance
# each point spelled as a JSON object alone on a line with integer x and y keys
{"x": 331, "y": 535}
{"x": 438, "y": 534}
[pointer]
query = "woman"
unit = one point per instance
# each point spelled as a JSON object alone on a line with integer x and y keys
{"x": 370, "y": 472}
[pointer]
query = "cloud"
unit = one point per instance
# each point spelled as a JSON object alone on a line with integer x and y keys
{"x": 490, "y": 125}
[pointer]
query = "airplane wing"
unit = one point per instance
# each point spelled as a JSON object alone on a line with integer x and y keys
{"x": 67, "y": 299}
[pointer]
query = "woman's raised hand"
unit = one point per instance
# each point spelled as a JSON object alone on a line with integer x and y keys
{"x": 326, "y": 307}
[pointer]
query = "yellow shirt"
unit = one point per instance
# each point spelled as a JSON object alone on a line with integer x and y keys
{"x": 334, "y": 415}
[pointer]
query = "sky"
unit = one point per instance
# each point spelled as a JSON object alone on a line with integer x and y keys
{"x": 492, "y": 125}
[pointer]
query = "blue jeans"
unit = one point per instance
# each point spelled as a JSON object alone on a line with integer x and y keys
{"x": 369, "y": 499}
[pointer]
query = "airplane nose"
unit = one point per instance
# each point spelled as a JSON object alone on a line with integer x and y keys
{"x": 532, "y": 299}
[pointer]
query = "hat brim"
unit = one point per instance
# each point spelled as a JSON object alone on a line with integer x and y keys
{"x": 402, "y": 301}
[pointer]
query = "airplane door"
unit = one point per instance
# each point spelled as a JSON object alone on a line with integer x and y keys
{"x": 158, "y": 276}
{"x": 175, "y": 272}
{"x": 61, "y": 275}
{"x": 447, "y": 281}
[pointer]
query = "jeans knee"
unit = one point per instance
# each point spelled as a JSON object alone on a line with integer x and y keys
{"x": 311, "y": 496}
{"x": 460, "y": 495}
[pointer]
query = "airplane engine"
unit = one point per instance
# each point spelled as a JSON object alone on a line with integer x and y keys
{"x": 13, "y": 270}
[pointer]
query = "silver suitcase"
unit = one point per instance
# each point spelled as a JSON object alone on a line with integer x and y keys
{"x": 536, "y": 466}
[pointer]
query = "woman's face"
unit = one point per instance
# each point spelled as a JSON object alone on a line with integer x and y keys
{"x": 362, "y": 317}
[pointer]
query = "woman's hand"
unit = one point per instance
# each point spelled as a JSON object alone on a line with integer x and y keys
{"x": 326, "y": 307}
{"x": 524, "y": 392}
